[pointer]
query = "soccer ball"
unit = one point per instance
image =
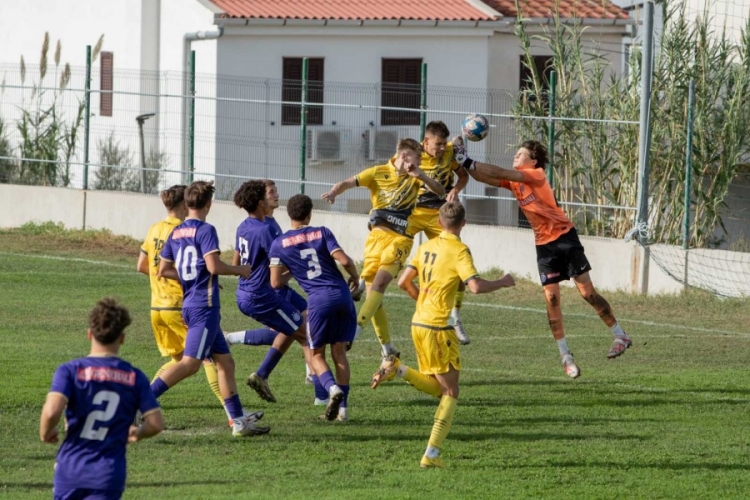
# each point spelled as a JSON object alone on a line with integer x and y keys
{"x": 475, "y": 127}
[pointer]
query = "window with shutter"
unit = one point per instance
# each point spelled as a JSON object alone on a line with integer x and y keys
{"x": 401, "y": 88}
{"x": 291, "y": 90}
{"x": 106, "y": 83}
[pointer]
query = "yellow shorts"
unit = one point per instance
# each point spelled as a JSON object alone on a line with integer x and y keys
{"x": 437, "y": 349}
{"x": 385, "y": 250}
{"x": 425, "y": 219}
{"x": 170, "y": 331}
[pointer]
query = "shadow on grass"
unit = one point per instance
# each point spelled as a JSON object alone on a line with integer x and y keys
{"x": 130, "y": 485}
{"x": 677, "y": 466}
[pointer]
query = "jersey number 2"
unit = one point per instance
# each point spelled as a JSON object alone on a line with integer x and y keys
{"x": 313, "y": 263}
{"x": 112, "y": 399}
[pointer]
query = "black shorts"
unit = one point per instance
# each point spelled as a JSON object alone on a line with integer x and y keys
{"x": 561, "y": 259}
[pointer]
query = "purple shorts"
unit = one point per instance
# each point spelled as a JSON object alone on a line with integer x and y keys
{"x": 274, "y": 312}
{"x": 204, "y": 335}
{"x": 330, "y": 323}
{"x": 290, "y": 295}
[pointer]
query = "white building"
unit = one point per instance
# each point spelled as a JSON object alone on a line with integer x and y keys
{"x": 367, "y": 54}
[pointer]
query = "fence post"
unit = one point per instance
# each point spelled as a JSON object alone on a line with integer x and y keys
{"x": 87, "y": 119}
{"x": 191, "y": 120}
{"x": 551, "y": 128}
{"x": 688, "y": 178}
{"x": 423, "y": 103}
{"x": 644, "y": 143}
{"x": 303, "y": 126}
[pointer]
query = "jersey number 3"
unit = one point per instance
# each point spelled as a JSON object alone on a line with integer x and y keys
{"x": 313, "y": 263}
{"x": 112, "y": 399}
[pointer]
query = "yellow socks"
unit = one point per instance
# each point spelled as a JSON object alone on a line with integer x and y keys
{"x": 212, "y": 375}
{"x": 443, "y": 420}
{"x": 369, "y": 308}
{"x": 381, "y": 326}
{"x": 428, "y": 385}
{"x": 163, "y": 367}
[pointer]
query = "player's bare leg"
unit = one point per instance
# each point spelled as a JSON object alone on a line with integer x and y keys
{"x": 604, "y": 310}
{"x": 246, "y": 426}
{"x": 554, "y": 315}
{"x": 463, "y": 337}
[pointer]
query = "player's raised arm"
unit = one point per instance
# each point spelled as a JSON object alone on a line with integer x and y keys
{"x": 339, "y": 188}
{"x": 430, "y": 183}
{"x": 406, "y": 282}
{"x": 483, "y": 172}
{"x": 218, "y": 267}
{"x": 52, "y": 411}
{"x": 463, "y": 180}
{"x": 481, "y": 285}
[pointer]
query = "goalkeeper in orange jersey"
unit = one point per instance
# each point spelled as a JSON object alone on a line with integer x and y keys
{"x": 440, "y": 264}
{"x": 559, "y": 252}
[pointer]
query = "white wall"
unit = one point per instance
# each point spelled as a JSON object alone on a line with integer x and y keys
{"x": 492, "y": 247}
{"x": 353, "y": 57}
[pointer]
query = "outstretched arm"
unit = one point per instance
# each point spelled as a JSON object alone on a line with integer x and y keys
{"x": 480, "y": 285}
{"x": 216, "y": 266}
{"x": 339, "y": 188}
{"x": 492, "y": 174}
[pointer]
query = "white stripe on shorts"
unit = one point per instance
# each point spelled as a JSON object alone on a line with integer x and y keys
{"x": 287, "y": 319}
{"x": 203, "y": 343}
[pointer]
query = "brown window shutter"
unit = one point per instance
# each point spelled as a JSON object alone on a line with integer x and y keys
{"x": 106, "y": 83}
{"x": 291, "y": 90}
{"x": 401, "y": 88}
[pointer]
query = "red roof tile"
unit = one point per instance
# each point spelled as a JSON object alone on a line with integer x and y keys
{"x": 596, "y": 9}
{"x": 418, "y": 10}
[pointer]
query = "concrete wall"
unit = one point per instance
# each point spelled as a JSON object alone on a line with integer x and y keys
{"x": 493, "y": 247}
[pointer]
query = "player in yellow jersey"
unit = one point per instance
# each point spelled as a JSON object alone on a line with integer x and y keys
{"x": 393, "y": 192}
{"x": 438, "y": 163}
{"x": 440, "y": 264}
{"x": 166, "y": 295}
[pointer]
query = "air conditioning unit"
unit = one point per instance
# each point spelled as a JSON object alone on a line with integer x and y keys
{"x": 326, "y": 144}
{"x": 382, "y": 141}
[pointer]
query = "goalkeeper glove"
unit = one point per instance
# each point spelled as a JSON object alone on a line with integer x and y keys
{"x": 461, "y": 156}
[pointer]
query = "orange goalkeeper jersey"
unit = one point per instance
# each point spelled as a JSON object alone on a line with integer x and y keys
{"x": 537, "y": 200}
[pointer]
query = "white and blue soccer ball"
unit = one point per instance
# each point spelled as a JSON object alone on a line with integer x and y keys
{"x": 475, "y": 127}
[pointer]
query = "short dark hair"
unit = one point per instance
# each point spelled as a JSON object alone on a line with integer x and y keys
{"x": 199, "y": 193}
{"x": 249, "y": 195}
{"x": 437, "y": 128}
{"x": 108, "y": 320}
{"x": 537, "y": 152}
{"x": 452, "y": 213}
{"x": 299, "y": 207}
{"x": 268, "y": 183}
{"x": 173, "y": 196}
{"x": 408, "y": 143}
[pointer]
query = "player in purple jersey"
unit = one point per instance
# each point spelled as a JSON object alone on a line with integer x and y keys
{"x": 309, "y": 255}
{"x": 100, "y": 395}
{"x": 255, "y": 296}
{"x": 191, "y": 255}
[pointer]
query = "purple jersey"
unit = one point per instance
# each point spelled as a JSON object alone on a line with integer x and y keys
{"x": 270, "y": 221}
{"x": 103, "y": 396}
{"x": 253, "y": 241}
{"x": 306, "y": 252}
{"x": 187, "y": 246}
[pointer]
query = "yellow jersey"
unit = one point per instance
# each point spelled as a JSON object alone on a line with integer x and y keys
{"x": 441, "y": 169}
{"x": 165, "y": 294}
{"x": 440, "y": 264}
{"x": 393, "y": 196}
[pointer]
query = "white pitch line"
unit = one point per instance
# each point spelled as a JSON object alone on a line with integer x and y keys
{"x": 581, "y": 315}
{"x": 69, "y": 259}
{"x": 394, "y": 295}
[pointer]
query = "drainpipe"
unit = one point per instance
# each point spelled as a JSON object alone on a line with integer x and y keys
{"x": 188, "y": 39}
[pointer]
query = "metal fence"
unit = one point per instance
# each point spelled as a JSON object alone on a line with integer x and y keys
{"x": 230, "y": 128}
